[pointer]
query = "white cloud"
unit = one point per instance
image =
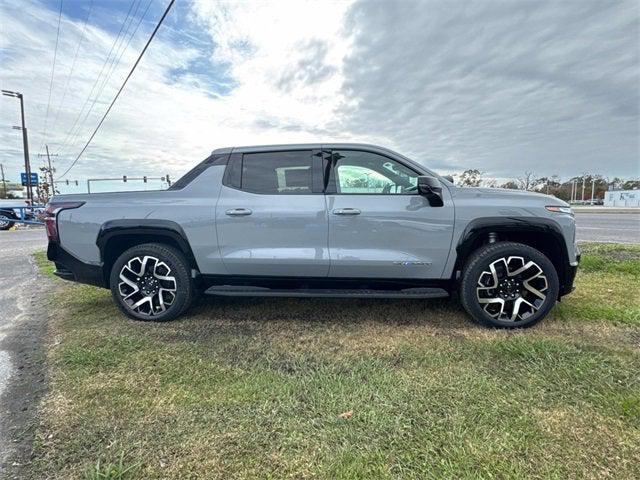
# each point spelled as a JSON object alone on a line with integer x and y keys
{"x": 502, "y": 87}
{"x": 162, "y": 123}
{"x": 268, "y": 45}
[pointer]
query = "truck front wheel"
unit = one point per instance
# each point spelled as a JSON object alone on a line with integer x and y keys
{"x": 152, "y": 282}
{"x": 508, "y": 285}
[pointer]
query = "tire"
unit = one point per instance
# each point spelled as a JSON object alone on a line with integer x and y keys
{"x": 6, "y": 221}
{"x": 161, "y": 275}
{"x": 508, "y": 285}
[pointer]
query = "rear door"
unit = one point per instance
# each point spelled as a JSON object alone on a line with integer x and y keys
{"x": 379, "y": 226}
{"x": 271, "y": 216}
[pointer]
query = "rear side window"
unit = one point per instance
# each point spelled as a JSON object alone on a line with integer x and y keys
{"x": 191, "y": 175}
{"x": 280, "y": 173}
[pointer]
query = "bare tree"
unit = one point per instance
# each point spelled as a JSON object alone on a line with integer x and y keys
{"x": 527, "y": 182}
{"x": 44, "y": 190}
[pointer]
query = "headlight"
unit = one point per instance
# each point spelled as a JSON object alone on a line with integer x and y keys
{"x": 555, "y": 209}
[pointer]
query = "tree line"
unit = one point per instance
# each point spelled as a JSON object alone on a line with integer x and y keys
{"x": 552, "y": 185}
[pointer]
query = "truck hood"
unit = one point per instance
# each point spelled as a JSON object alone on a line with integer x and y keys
{"x": 506, "y": 192}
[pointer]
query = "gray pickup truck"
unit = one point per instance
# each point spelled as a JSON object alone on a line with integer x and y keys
{"x": 319, "y": 220}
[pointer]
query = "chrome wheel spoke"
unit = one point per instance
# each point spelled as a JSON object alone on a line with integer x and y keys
{"x": 147, "y": 285}
{"x": 512, "y": 288}
{"x": 517, "y": 304}
{"x": 492, "y": 302}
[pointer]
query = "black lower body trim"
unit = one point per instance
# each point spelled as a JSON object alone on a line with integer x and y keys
{"x": 70, "y": 268}
{"x": 566, "y": 283}
{"x": 330, "y": 283}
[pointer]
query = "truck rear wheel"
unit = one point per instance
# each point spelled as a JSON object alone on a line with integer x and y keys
{"x": 508, "y": 285}
{"x": 152, "y": 282}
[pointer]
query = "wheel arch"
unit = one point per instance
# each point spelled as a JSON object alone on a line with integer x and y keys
{"x": 539, "y": 233}
{"x": 116, "y": 236}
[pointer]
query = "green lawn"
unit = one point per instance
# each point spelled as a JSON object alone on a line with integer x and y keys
{"x": 256, "y": 388}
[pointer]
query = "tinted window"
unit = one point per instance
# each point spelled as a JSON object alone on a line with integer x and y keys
{"x": 277, "y": 172}
{"x": 364, "y": 172}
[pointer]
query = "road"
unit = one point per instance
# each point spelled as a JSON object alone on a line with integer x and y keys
{"x": 17, "y": 277}
{"x": 22, "y": 323}
{"x": 608, "y": 227}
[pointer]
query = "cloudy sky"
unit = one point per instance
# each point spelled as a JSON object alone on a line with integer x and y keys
{"x": 552, "y": 87}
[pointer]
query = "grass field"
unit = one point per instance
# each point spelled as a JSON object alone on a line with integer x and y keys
{"x": 284, "y": 388}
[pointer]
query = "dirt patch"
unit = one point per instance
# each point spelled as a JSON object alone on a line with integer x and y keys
{"x": 617, "y": 253}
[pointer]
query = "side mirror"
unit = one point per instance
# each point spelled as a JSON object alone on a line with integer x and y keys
{"x": 448, "y": 177}
{"x": 431, "y": 188}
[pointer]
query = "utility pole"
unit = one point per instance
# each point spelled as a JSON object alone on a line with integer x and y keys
{"x": 25, "y": 142}
{"x": 584, "y": 179}
{"x": 593, "y": 187}
{"x": 4, "y": 183}
{"x": 48, "y": 155}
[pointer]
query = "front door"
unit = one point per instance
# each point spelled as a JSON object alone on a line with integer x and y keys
{"x": 379, "y": 226}
{"x": 270, "y": 218}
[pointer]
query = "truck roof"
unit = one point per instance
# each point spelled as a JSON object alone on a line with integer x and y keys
{"x": 299, "y": 146}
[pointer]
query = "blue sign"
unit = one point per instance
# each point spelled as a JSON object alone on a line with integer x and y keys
{"x": 34, "y": 178}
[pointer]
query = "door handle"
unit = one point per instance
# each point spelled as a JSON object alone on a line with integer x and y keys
{"x": 346, "y": 211}
{"x": 239, "y": 212}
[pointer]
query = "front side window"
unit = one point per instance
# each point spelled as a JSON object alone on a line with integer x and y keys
{"x": 364, "y": 172}
{"x": 282, "y": 173}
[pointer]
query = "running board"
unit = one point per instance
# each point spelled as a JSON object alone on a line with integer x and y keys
{"x": 244, "y": 291}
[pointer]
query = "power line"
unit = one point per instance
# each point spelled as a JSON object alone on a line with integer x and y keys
{"x": 121, "y": 88}
{"x": 95, "y": 83}
{"x": 115, "y": 61}
{"x": 73, "y": 64}
{"x": 53, "y": 69}
{"x": 113, "y": 65}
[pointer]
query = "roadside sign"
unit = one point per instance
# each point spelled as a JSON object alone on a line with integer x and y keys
{"x": 34, "y": 178}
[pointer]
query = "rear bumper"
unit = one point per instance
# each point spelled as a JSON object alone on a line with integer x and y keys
{"x": 70, "y": 268}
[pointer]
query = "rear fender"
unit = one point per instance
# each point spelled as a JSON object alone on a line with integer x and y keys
{"x": 130, "y": 232}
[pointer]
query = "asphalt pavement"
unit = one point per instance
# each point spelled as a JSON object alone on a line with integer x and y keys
{"x": 608, "y": 227}
{"x": 22, "y": 322}
{"x": 17, "y": 277}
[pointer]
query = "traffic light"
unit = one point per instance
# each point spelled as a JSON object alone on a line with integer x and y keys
{"x": 67, "y": 181}
{"x": 144, "y": 179}
{"x": 168, "y": 180}
{"x": 124, "y": 178}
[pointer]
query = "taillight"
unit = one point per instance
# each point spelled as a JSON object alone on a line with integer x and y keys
{"x": 50, "y": 215}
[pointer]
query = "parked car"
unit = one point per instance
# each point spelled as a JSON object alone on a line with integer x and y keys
{"x": 322, "y": 220}
{"x": 9, "y": 214}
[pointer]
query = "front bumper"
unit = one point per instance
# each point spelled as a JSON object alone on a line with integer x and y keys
{"x": 566, "y": 282}
{"x": 70, "y": 268}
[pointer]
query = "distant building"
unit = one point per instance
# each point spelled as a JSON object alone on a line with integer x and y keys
{"x": 622, "y": 198}
{"x": 14, "y": 190}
